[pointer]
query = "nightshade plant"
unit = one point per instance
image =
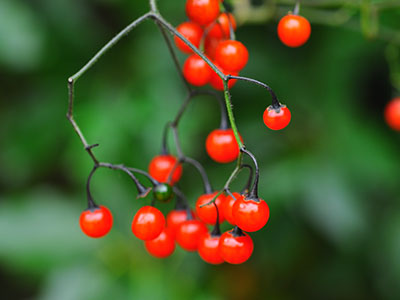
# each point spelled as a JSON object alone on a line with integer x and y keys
{"x": 224, "y": 145}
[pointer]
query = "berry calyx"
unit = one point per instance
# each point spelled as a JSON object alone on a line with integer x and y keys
{"x": 217, "y": 83}
{"x": 221, "y": 28}
{"x": 235, "y": 246}
{"x": 96, "y": 222}
{"x": 189, "y": 233}
{"x": 162, "y": 166}
{"x": 231, "y": 55}
{"x": 148, "y": 223}
{"x": 392, "y": 113}
{"x": 221, "y": 145}
{"x": 191, "y": 31}
{"x": 177, "y": 217}
{"x": 163, "y": 245}
{"x": 294, "y": 30}
{"x": 208, "y": 213}
{"x": 277, "y": 118}
{"x": 227, "y": 206}
{"x": 250, "y": 214}
{"x": 196, "y": 71}
{"x": 163, "y": 192}
{"x": 202, "y": 12}
{"x": 208, "y": 249}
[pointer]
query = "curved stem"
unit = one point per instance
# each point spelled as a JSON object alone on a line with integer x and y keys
{"x": 296, "y": 9}
{"x": 224, "y": 122}
{"x": 254, "y": 191}
{"x": 91, "y": 203}
{"x": 275, "y": 103}
{"x": 164, "y": 146}
{"x": 228, "y": 104}
{"x": 144, "y": 173}
{"x": 181, "y": 200}
{"x": 246, "y": 188}
{"x": 216, "y": 230}
{"x": 207, "y": 185}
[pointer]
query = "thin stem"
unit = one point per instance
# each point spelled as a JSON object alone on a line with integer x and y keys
{"x": 207, "y": 185}
{"x": 91, "y": 203}
{"x": 275, "y": 103}
{"x": 224, "y": 122}
{"x": 164, "y": 146}
{"x": 144, "y": 173}
{"x": 296, "y": 9}
{"x": 153, "y": 6}
{"x": 236, "y": 232}
{"x": 216, "y": 230}
{"x": 229, "y": 109}
{"x": 182, "y": 109}
{"x": 181, "y": 200}
{"x": 254, "y": 191}
{"x": 246, "y": 188}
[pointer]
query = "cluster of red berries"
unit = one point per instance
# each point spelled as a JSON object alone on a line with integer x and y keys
{"x": 187, "y": 228}
{"x": 212, "y": 32}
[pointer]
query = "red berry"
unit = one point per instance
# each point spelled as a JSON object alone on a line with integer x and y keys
{"x": 221, "y": 29}
{"x": 208, "y": 213}
{"x": 202, "y": 12}
{"x": 250, "y": 215}
{"x": 231, "y": 55}
{"x": 191, "y": 31}
{"x": 161, "y": 167}
{"x": 217, "y": 83}
{"x": 227, "y": 206}
{"x": 175, "y": 218}
{"x": 196, "y": 71}
{"x": 96, "y": 222}
{"x": 221, "y": 145}
{"x": 189, "y": 233}
{"x": 163, "y": 245}
{"x": 277, "y": 118}
{"x": 148, "y": 223}
{"x": 208, "y": 249}
{"x": 210, "y": 45}
{"x": 294, "y": 30}
{"x": 392, "y": 113}
{"x": 235, "y": 249}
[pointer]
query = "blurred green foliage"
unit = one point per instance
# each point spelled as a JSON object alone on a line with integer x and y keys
{"x": 331, "y": 178}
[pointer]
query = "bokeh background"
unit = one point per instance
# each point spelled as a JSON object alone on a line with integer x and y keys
{"x": 331, "y": 179}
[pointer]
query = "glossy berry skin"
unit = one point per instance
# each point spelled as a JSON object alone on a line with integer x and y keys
{"x": 392, "y": 114}
{"x": 231, "y": 55}
{"x": 202, "y": 12}
{"x": 96, "y": 222}
{"x": 208, "y": 249}
{"x": 163, "y": 245}
{"x": 235, "y": 249}
{"x": 189, "y": 233}
{"x": 277, "y": 119}
{"x": 294, "y": 30}
{"x": 221, "y": 30}
{"x": 250, "y": 215}
{"x": 210, "y": 45}
{"x": 191, "y": 31}
{"x": 208, "y": 213}
{"x": 217, "y": 83}
{"x": 227, "y": 206}
{"x": 221, "y": 145}
{"x": 196, "y": 71}
{"x": 163, "y": 192}
{"x": 161, "y": 166}
{"x": 148, "y": 223}
{"x": 176, "y": 218}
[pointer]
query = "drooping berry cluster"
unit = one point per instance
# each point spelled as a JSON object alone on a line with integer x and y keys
{"x": 211, "y": 31}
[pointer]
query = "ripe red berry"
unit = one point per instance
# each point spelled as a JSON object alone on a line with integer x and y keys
{"x": 202, "y": 12}
{"x": 231, "y": 55}
{"x": 189, "y": 233}
{"x": 208, "y": 249}
{"x": 221, "y": 28}
{"x": 208, "y": 213}
{"x": 392, "y": 113}
{"x": 161, "y": 167}
{"x": 221, "y": 145}
{"x": 217, "y": 83}
{"x": 294, "y": 30}
{"x": 175, "y": 218}
{"x": 277, "y": 118}
{"x": 193, "y": 32}
{"x": 163, "y": 245}
{"x": 210, "y": 45}
{"x": 227, "y": 206}
{"x": 96, "y": 222}
{"x": 148, "y": 223}
{"x": 196, "y": 71}
{"x": 250, "y": 215}
{"x": 234, "y": 248}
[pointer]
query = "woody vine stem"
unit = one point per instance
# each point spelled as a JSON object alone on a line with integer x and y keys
{"x": 165, "y": 27}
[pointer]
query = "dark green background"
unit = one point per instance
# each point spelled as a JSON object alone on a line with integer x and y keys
{"x": 331, "y": 179}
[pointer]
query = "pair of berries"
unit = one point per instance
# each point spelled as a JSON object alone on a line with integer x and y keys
{"x": 248, "y": 214}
